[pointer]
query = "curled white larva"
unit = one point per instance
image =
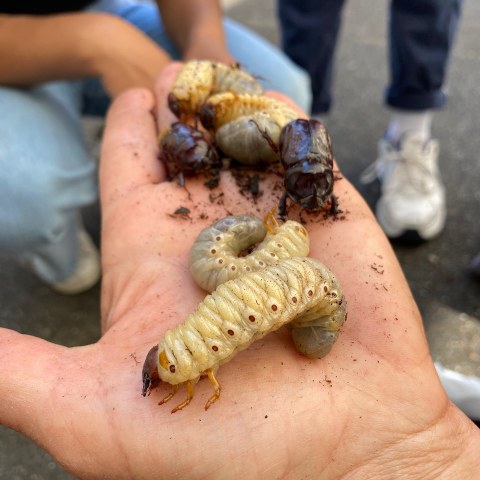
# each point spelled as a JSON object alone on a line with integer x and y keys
{"x": 240, "y": 311}
{"x": 199, "y": 79}
{"x": 231, "y": 78}
{"x": 242, "y": 138}
{"x": 247, "y": 127}
{"x": 243, "y": 243}
{"x": 297, "y": 290}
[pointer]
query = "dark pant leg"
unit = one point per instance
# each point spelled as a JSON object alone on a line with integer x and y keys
{"x": 309, "y": 30}
{"x": 422, "y": 34}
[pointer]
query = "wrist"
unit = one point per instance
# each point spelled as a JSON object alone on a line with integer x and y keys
{"x": 98, "y": 42}
{"x": 448, "y": 449}
{"x": 208, "y": 52}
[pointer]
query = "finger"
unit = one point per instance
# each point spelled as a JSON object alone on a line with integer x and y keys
{"x": 129, "y": 157}
{"x": 27, "y": 377}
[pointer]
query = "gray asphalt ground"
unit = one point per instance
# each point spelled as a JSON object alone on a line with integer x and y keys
{"x": 447, "y": 295}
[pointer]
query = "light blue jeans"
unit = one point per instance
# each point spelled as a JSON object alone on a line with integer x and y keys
{"x": 47, "y": 173}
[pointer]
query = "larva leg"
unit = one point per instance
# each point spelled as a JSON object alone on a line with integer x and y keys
{"x": 216, "y": 386}
{"x": 270, "y": 222}
{"x": 188, "y": 399}
{"x": 170, "y": 395}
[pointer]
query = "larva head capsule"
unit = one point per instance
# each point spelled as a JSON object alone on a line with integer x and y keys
{"x": 150, "y": 376}
{"x": 175, "y": 105}
{"x": 208, "y": 115}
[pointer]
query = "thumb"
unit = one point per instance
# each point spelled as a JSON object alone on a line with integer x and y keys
{"x": 29, "y": 370}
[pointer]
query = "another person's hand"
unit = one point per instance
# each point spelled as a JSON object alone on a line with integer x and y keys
{"x": 123, "y": 56}
{"x": 372, "y": 408}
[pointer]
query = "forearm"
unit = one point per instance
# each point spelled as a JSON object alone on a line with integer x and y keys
{"x": 61, "y": 47}
{"x": 195, "y": 26}
{"x": 38, "y": 49}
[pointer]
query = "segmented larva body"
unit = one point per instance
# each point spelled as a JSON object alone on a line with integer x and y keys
{"x": 214, "y": 259}
{"x": 199, "y": 79}
{"x": 216, "y": 255}
{"x": 246, "y": 125}
{"x": 240, "y": 311}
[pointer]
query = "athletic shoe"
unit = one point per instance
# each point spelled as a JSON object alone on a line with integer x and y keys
{"x": 475, "y": 265}
{"x": 88, "y": 270}
{"x": 412, "y": 204}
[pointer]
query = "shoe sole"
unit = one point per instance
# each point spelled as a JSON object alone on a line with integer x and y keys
{"x": 410, "y": 235}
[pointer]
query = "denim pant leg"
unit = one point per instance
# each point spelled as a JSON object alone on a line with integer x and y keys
{"x": 309, "y": 31}
{"x": 274, "y": 69}
{"x": 422, "y": 34}
{"x": 47, "y": 176}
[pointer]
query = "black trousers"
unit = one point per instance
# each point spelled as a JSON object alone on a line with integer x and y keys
{"x": 421, "y": 35}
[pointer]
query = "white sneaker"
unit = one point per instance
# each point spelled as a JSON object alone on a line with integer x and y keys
{"x": 412, "y": 204}
{"x": 475, "y": 265}
{"x": 88, "y": 270}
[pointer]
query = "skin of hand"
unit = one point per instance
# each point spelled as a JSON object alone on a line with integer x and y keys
{"x": 78, "y": 45}
{"x": 372, "y": 408}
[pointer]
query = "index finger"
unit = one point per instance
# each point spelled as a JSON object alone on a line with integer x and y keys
{"x": 129, "y": 157}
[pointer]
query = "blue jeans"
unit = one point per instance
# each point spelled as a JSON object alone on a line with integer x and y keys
{"x": 47, "y": 173}
{"x": 422, "y": 33}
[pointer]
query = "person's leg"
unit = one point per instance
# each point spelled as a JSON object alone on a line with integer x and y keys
{"x": 273, "y": 68}
{"x": 47, "y": 177}
{"x": 422, "y": 33}
{"x": 421, "y": 39}
{"x": 309, "y": 31}
{"x": 475, "y": 265}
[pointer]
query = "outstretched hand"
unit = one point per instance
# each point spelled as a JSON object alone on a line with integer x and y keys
{"x": 372, "y": 408}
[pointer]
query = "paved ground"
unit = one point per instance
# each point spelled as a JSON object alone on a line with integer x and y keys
{"x": 447, "y": 295}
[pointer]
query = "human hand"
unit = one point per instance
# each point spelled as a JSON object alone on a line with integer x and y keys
{"x": 372, "y": 408}
{"x": 123, "y": 56}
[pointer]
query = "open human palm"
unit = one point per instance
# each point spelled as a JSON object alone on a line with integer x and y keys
{"x": 356, "y": 413}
